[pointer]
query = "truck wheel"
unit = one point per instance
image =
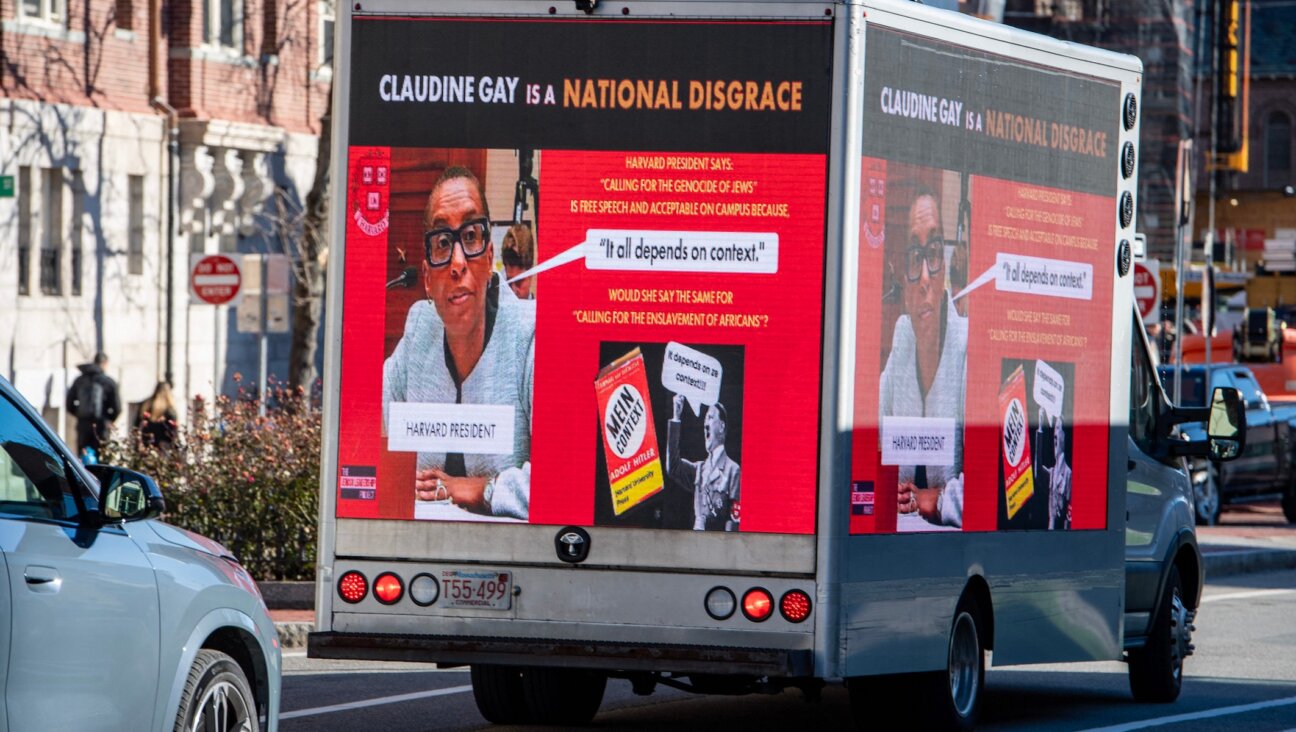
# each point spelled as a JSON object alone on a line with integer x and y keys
{"x": 1206, "y": 498}
{"x": 1156, "y": 669}
{"x": 1289, "y": 502}
{"x": 561, "y": 696}
{"x": 955, "y": 694}
{"x": 216, "y": 696}
{"x": 498, "y": 693}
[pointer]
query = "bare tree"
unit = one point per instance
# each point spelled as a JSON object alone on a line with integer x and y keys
{"x": 311, "y": 259}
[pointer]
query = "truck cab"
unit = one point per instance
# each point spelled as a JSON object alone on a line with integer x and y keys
{"x": 1163, "y": 564}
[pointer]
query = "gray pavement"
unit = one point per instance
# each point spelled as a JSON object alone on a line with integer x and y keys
{"x": 1250, "y": 538}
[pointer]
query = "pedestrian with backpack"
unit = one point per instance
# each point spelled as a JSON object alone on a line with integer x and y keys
{"x": 93, "y": 399}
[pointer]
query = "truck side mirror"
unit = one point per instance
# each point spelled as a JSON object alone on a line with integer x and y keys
{"x": 1225, "y": 427}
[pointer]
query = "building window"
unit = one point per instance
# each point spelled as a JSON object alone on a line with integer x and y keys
{"x": 78, "y": 230}
{"x": 24, "y": 230}
{"x": 47, "y": 11}
{"x": 124, "y": 17}
{"x": 328, "y": 17}
{"x": 51, "y": 257}
{"x": 1277, "y": 149}
{"x": 135, "y": 246}
{"x": 223, "y": 23}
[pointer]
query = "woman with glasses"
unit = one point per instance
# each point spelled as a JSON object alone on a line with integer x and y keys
{"x": 925, "y": 373}
{"x": 472, "y": 341}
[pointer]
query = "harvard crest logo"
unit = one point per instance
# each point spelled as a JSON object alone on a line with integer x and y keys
{"x": 369, "y": 194}
{"x": 873, "y": 211}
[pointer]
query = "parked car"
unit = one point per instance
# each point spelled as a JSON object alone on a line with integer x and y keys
{"x": 117, "y": 621}
{"x": 1259, "y": 336}
{"x": 1264, "y": 471}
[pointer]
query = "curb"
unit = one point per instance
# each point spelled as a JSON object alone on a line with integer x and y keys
{"x": 1246, "y": 561}
{"x": 292, "y": 635}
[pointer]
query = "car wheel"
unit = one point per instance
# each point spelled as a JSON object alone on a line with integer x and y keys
{"x": 498, "y": 693}
{"x": 1206, "y": 498}
{"x": 1156, "y": 669}
{"x": 562, "y": 696}
{"x": 217, "y": 697}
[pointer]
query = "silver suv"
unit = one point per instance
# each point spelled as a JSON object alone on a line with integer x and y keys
{"x": 116, "y": 620}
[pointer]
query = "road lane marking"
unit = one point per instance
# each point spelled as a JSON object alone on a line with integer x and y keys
{"x": 1245, "y": 595}
{"x": 398, "y": 698}
{"x": 1193, "y": 716}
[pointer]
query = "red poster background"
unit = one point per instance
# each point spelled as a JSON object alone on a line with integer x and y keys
{"x": 1086, "y": 345}
{"x": 781, "y": 355}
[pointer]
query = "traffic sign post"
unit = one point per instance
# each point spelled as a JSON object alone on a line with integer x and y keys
{"x": 1147, "y": 290}
{"x": 214, "y": 279}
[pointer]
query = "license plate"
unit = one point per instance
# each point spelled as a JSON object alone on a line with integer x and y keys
{"x": 476, "y": 589}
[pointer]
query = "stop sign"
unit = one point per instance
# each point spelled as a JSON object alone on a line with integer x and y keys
{"x": 214, "y": 278}
{"x": 1147, "y": 290}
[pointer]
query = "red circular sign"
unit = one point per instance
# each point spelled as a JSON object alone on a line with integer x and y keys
{"x": 1146, "y": 290}
{"x": 215, "y": 279}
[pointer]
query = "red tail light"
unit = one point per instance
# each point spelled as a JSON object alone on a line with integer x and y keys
{"x": 352, "y": 586}
{"x": 795, "y": 606}
{"x": 388, "y": 588}
{"x": 758, "y": 604}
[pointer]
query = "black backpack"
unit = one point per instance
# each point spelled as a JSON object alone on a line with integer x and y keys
{"x": 90, "y": 399}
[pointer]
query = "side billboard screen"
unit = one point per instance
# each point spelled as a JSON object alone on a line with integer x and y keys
{"x": 583, "y": 272}
{"x": 986, "y": 268}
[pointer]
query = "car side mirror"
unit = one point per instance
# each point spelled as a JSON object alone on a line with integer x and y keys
{"x": 125, "y": 495}
{"x": 1225, "y": 426}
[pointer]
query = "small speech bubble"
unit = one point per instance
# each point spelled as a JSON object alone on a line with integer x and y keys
{"x": 1036, "y": 276}
{"x": 737, "y": 252}
{"x": 1050, "y": 388}
{"x": 692, "y": 374}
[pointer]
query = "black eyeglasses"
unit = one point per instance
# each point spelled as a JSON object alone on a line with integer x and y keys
{"x": 932, "y": 255}
{"x": 473, "y": 236}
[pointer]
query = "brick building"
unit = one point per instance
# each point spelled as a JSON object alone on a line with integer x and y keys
{"x": 1253, "y": 206}
{"x": 94, "y": 239}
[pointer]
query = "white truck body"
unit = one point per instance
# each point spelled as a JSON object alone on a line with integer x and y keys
{"x": 730, "y": 191}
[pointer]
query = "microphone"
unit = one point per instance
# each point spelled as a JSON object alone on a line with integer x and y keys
{"x": 408, "y": 278}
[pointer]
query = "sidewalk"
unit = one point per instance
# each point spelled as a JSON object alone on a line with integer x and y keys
{"x": 1253, "y": 538}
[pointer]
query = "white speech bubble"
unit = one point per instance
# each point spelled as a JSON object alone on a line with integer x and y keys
{"x": 472, "y": 429}
{"x": 1036, "y": 276}
{"x": 918, "y": 441}
{"x": 733, "y": 252}
{"x": 692, "y": 374}
{"x": 1050, "y": 388}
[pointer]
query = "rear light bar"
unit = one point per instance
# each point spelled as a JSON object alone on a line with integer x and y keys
{"x": 353, "y": 586}
{"x": 758, "y": 604}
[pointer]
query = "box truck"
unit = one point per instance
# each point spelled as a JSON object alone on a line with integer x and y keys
{"x": 739, "y": 346}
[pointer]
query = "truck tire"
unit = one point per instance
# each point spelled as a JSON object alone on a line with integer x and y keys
{"x": 1156, "y": 669}
{"x": 1289, "y": 501}
{"x": 216, "y": 696}
{"x": 954, "y": 695}
{"x": 498, "y": 693}
{"x": 1207, "y": 503}
{"x": 561, "y": 696}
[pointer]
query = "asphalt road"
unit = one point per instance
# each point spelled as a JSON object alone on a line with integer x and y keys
{"x": 1243, "y": 676}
